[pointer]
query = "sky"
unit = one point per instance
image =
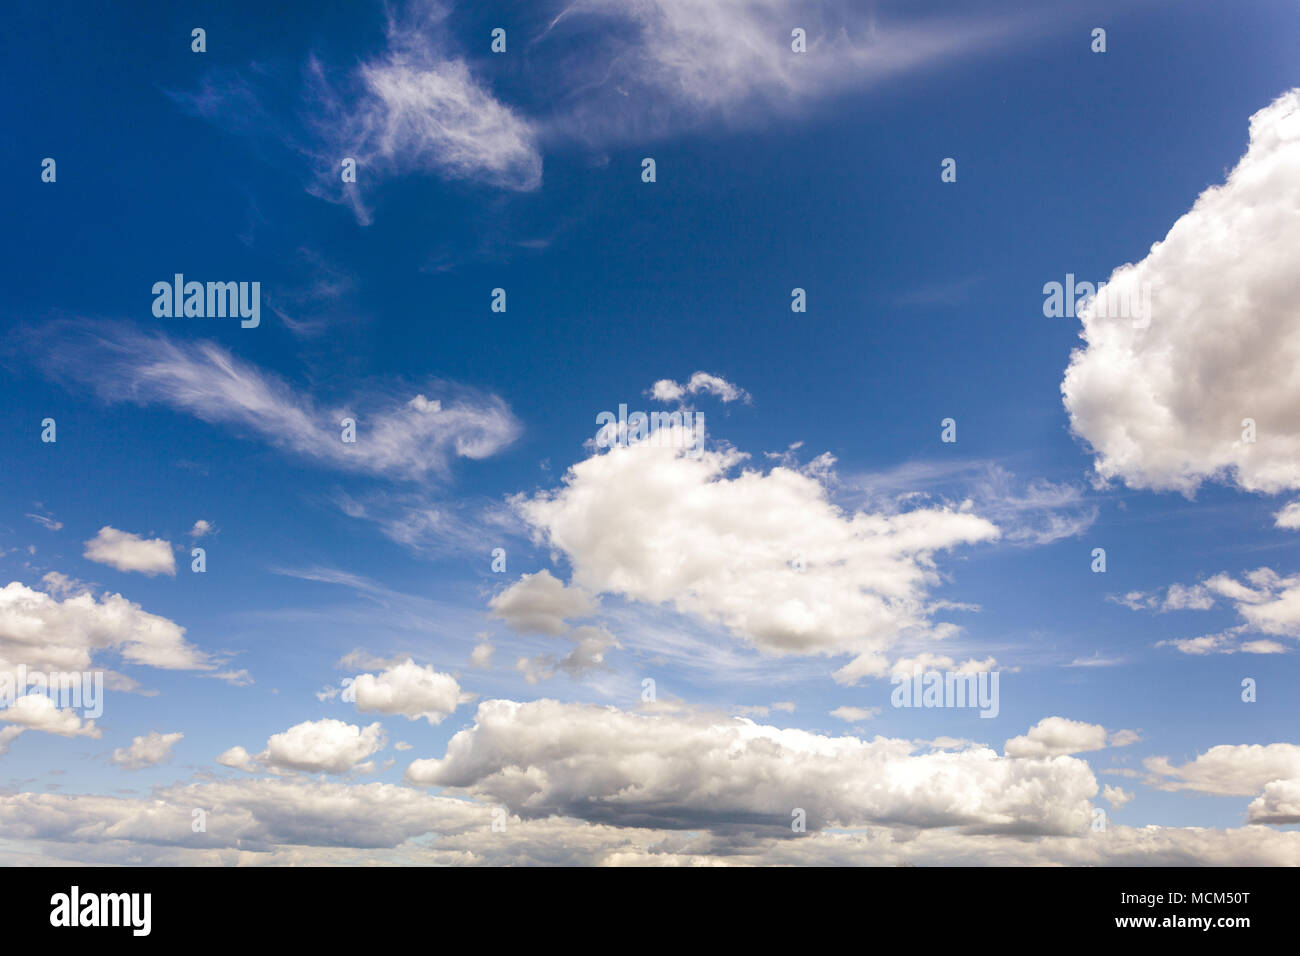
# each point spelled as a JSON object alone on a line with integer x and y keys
{"x": 366, "y": 575}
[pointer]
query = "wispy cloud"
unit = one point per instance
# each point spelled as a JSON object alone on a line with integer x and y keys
{"x": 401, "y": 435}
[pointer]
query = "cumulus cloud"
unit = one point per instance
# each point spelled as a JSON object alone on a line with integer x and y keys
{"x": 1163, "y": 407}
{"x": 398, "y": 434}
{"x": 40, "y": 713}
{"x": 238, "y": 758}
{"x": 299, "y": 821}
{"x": 481, "y": 656}
{"x": 410, "y": 690}
{"x": 1288, "y": 517}
{"x": 1053, "y": 736}
{"x": 666, "y": 390}
{"x": 1116, "y": 796}
{"x": 146, "y": 751}
{"x": 1278, "y": 804}
{"x": 541, "y": 603}
{"x": 687, "y": 771}
{"x": 313, "y": 746}
{"x": 129, "y": 552}
{"x": 1235, "y": 770}
{"x": 47, "y": 634}
{"x": 201, "y": 528}
{"x": 767, "y": 555}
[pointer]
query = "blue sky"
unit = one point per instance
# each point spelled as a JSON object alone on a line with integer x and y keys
{"x": 774, "y": 170}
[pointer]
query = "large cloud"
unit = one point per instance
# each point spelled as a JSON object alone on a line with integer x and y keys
{"x": 307, "y": 822}
{"x": 692, "y": 771}
{"x": 768, "y": 555}
{"x": 1162, "y": 407}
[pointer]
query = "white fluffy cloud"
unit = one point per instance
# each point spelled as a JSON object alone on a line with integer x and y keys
{"x": 47, "y": 634}
{"x": 1116, "y": 796}
{"x": 1289, "y": 517}
{"x": 1163, "y": 407}
{"x": 687, "y": 771}
{"x": 1228, "y": 770}
{"x": 129, "y": 552}
{"x": 666, "y": 390}
{"x": 313, "y": 746}
{"x": 410, "y": 690}
{"x": 769, "y": 556}
{"x": 146, "y": 751}
{"x": 1052, "y": 736}
{"x": 328, "y": 746}
{"x": 38, "y": 712}
{"x": 312, "y": 822}
{"x": 541, "y": 603}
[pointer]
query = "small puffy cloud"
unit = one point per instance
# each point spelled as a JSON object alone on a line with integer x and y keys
{"x": 1288, "y": 517}
{"x": 666, "y": 390}
{"x": 1116, "y": 796}
{"x": 1195, "y": 598}
{"x": 322, "y": 746}
{"x": 201, "y": 528}
{"x": 481, "y": 656}
{"x": 410, "y": 690}
{"x": 129, "y": 552}
{"x": 1164, "y": 406}
{"x": 146, "y": 751}
{"x": 1053, "y": 736}
{"x": 541, "y": 603}
{"x": 239, "y": 759}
